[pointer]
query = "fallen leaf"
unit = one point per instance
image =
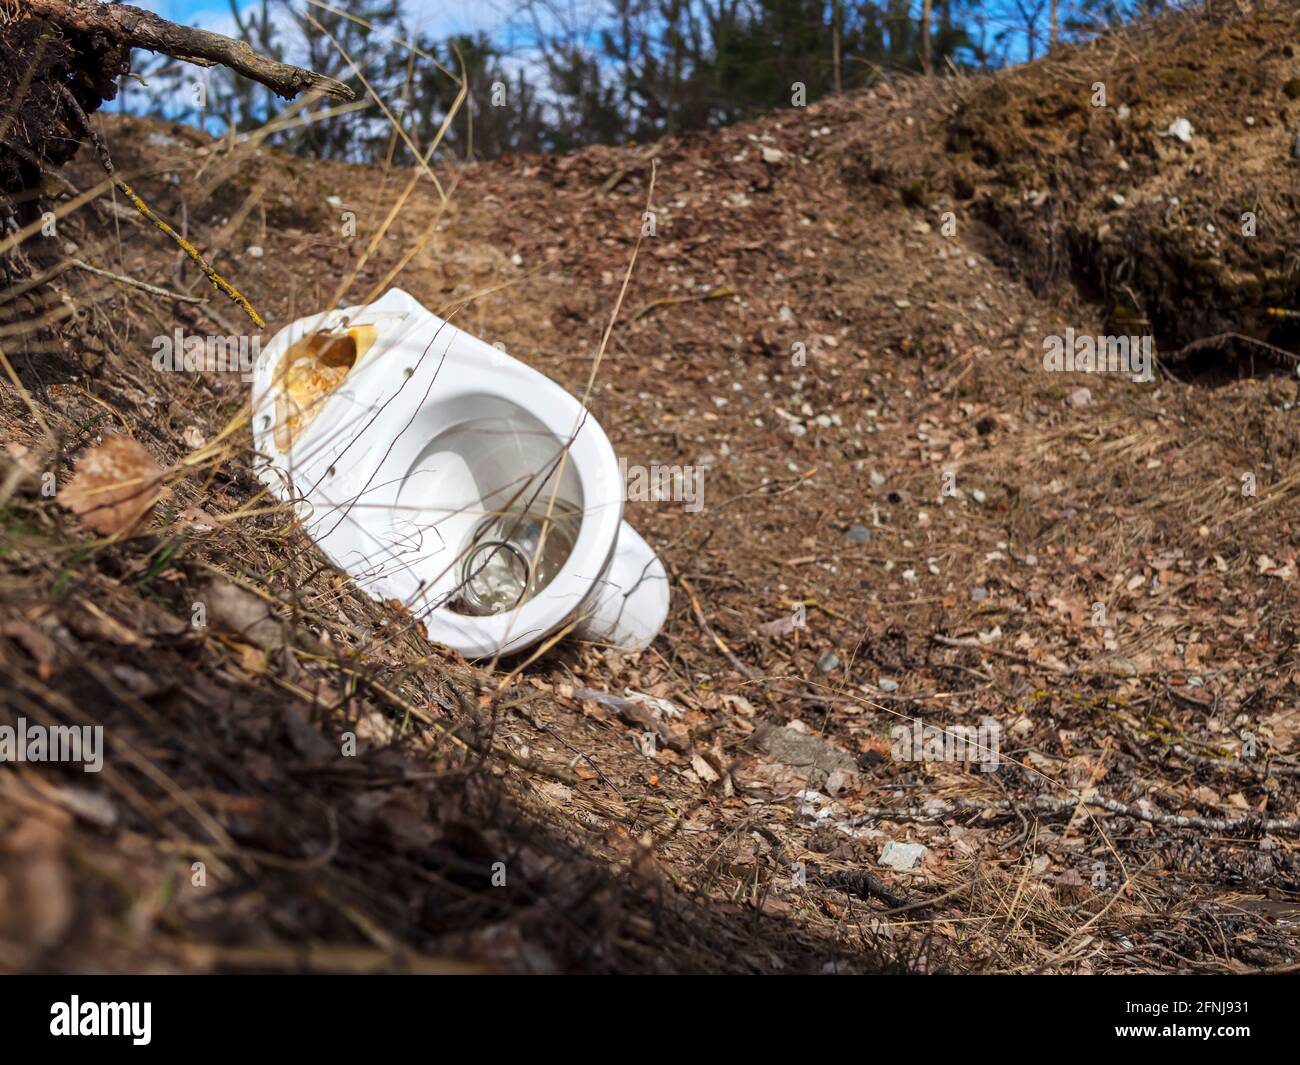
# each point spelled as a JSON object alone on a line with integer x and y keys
{"x": 36, "y": 643}
{"x": 241, "y": 614}
{"x": 34, "y": 881}
{"x": 115, "y": 486}
{"x": 198, "y": 519}
{"x": 702, "y": 768}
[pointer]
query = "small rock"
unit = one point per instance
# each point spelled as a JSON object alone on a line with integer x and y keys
{"x": 772, "y": 155}
{"x": 779, "y": 627}
{"x": 828, "y": 661}
{"x": 901, "y": 857}
{"x": 809, "y": 755}
{"x": 840, "y": 781}
{"x": 885, "y": 684}
{"x": 255, "y": 251}
{"x": 978, "y": 595}
{"x": 859, "y": 534}
{"x": 1181, "y": 129}
{"x": 1080, "y": 397}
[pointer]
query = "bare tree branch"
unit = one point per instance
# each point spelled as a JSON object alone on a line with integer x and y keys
{"x": 143, "y": 29}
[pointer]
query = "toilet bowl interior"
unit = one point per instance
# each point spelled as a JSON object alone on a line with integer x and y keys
{"x": 487, "y": 479}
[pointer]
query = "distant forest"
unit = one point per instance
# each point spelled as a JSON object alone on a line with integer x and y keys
{"x": 567, "y": 73}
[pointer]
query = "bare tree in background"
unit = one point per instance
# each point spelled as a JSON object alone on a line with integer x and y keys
{"x": 566, "y": 73}
{"x": 837, "y": 30}
{"x": 1030, "y": 13}
{"x": 927, "y": 63}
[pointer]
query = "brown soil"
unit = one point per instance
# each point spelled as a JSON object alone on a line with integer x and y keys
{"x": 1070, "y": 163}
{"x": 743, "y": 846}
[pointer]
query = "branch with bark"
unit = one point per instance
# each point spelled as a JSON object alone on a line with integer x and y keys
{"x": 135, "y": 28}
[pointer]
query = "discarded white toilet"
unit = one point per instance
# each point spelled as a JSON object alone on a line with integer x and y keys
{"x": 439, "y": 471}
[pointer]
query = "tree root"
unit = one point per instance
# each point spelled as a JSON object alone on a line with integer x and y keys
{"x": 61, "y": 59}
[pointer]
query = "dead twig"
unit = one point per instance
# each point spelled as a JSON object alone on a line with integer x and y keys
{"x": 1047, "y": 805}
{"x": 718, "y": 641}
{"x": 143, "y": 286}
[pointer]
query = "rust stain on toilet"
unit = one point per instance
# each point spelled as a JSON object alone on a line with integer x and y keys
{"x": 310, "y": 371}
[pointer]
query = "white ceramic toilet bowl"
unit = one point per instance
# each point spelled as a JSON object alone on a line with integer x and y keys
{"x": 411, "y": 463}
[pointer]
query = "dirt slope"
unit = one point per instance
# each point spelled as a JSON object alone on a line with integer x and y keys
{"x": 1156, "y": 168}
{"x": 881, "y": 445}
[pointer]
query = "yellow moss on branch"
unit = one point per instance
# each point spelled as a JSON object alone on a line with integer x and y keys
{"x": 218, "y": 282}
{"x": 106, "y": 160}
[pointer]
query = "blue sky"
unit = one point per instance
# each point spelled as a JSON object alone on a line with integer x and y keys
{"x": 440, "y": 17}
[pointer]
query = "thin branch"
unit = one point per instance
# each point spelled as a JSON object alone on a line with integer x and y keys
{"x": 1048, "y": 805}
{"x": 143, "y": 286}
